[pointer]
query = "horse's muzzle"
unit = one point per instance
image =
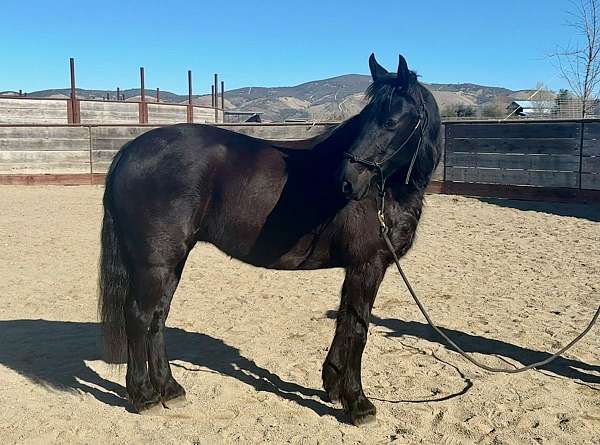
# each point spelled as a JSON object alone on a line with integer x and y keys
{"x": 354, "y": 184}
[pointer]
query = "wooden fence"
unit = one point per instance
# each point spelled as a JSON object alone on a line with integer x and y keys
{"x": 35, "y": 111}
{"x": 81, "y": 154}
{"x": 524, "y": 158}
{"x": 553, "y": 160}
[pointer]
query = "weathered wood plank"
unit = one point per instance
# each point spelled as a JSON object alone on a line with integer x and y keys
{"x": 47, "y": 179}
{"x": 590, "y": 181}
{"x": 523, "y": 192}
{"x": 27, "y": 111}
{"x": 43, "y": 138}
{"x": 101, "y": 160}
{"x": 109, "y": 143}
{"x": 34, "y": 162}
{"x": 93, "y": 112}
{"x": 113, "y": 138}
{"x": 438, "y": 173}
{"x": 566, "y": 130}
{"x": 568, "y": 163}
{"x": 129, "y": 131}
{"x": 513, "y": 177}
{"x": 516, "y": 146}
{"x": 590, "y": 164}
{"x": 278, "y": 132}
{"x": 204, "y": 115}
{"x": 591, "y": 130}
{"x": 591, "y": 147}
{"x": 166, "y": 114}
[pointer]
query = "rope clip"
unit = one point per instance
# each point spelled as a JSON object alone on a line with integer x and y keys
{"x": 381, "y": 219}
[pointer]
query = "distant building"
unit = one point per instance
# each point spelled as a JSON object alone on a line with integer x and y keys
{"x": 12, "y": 93}
{"x": 242, "y": 116}
{"x": 532, "y": 108}
{"x": 557, "y": 109}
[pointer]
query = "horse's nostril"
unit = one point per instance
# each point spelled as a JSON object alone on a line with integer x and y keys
{"x": 347, "y": 187}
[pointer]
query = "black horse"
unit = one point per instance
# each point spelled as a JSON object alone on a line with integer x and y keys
{"x": 309, "y": 204}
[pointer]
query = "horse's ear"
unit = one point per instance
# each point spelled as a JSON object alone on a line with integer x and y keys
{"x": 377, "y": 71}
{"x": 403, "y": 72}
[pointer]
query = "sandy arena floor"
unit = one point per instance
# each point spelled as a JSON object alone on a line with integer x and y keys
{"x": 514, "y": 279}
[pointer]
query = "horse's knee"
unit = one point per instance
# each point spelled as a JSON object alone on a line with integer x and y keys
{"x": 359, "y": 331}
{"x": 356, "y": 326}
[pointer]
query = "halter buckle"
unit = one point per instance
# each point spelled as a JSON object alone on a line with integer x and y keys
{"x": 381, "y": 218}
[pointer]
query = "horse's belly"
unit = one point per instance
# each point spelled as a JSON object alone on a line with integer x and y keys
{"x": 271, "y": 248}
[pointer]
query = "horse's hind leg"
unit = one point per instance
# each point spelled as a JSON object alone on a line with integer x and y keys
{"x": 172, "y": 393}
{"x": 149, "y": 378}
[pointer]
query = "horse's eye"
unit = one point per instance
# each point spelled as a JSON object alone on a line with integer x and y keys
{"x": 389, "y": 123}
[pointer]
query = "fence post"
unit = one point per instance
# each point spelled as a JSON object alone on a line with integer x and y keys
{"x": 73, "y": 112}
{"x": 190, "y": 107}
{"x": 216, "y": 100}
{"x": 223, "y": 96}
{"x": 91, "y": 156}
{"x": 446, "y": 134}
{"x": 581, "y": 141}
{"x": 143, "y": 107}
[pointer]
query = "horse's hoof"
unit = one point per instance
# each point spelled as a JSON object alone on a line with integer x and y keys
{"x": 177, "y": 402}
{"x": 362, "y": 412}
{"x": 152, "y": 410}
{"x": 334, "y": 397}
{"x": 368, "y": 419}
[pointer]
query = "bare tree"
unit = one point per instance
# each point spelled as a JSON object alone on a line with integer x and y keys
{"x": 541, "y": 99}
{"x": 579, "y": 63}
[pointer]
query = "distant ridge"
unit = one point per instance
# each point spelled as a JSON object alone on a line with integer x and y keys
{"x": 330, "y": 99}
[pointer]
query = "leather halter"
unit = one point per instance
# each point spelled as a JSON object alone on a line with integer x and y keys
{"x": 378, "y": 165}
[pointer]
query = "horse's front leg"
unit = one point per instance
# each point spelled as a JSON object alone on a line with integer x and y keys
{"x": 342, "y": 367}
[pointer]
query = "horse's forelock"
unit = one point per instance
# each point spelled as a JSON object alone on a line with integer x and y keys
{"x": 382, "y": 90}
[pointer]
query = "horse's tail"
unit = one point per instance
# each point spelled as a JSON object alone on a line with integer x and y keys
{"x": 113, "y": 280}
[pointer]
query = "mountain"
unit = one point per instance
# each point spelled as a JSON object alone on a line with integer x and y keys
{"x": 331, "y": 99}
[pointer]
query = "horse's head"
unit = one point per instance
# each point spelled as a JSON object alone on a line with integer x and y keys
{"x": 389, "y": 130}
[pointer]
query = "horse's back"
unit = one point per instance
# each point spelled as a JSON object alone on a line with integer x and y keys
{"x": 187, "y": 183}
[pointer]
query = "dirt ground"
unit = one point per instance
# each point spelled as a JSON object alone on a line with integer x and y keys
{"x": 509, "y": 281}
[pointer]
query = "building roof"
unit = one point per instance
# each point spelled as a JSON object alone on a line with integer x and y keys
{"x": 534, "y": 104}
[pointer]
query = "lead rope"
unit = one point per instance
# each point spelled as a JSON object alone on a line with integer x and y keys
{"x": 384, "y": 234}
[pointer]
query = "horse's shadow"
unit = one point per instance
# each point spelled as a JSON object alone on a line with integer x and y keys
{"x": 569, "y": 368}
{"x": 53, "y": 354}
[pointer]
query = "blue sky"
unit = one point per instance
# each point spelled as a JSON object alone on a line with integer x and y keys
{"x": 276, "y": 43}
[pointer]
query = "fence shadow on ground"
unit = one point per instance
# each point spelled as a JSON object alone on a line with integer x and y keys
{"x": 53, "y": 354}
{"x": 590, "y": 212}
{"x": 572, "y": 369}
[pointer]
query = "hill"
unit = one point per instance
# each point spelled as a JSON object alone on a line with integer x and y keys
{"x": 324, "y": 100}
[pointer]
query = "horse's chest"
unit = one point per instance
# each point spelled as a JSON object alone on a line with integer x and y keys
{"x": 402, "y": 226}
